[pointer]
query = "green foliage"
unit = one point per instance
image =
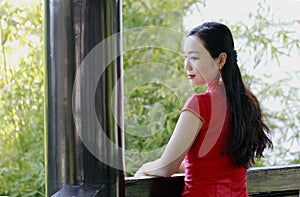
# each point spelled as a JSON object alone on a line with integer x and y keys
{"x": 163, "y": 13}
{"x": 153, "y": 107}
{"x": 284, "y": 122}
{"x": 266, "y": 37}
{"x": 264, "y": 42}
{"x": 21, "y": 95}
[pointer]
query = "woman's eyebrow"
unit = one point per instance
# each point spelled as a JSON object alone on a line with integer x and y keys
{"x": 191, "y": 52}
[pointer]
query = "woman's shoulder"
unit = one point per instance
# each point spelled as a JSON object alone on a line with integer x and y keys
{"x": 202, "y": 97}
{"x": 198, "y": 102}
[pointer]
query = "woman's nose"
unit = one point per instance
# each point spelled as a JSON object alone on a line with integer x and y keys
{"x": 188, "y": 66}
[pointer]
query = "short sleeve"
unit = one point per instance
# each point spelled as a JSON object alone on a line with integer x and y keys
{"x": 196, "y": 105}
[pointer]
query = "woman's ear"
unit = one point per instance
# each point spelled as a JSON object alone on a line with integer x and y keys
{"x": 222, "y": 60}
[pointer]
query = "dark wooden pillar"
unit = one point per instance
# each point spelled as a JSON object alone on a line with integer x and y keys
{"x": 83, "y": 117}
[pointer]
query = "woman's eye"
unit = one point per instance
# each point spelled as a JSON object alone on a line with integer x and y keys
{"x": 194, "y": 58}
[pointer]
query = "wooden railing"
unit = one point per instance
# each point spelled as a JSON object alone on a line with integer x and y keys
{"x": 264, "y": 181}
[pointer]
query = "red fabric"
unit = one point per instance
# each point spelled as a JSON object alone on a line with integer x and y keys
{"x": 208, "y": 172}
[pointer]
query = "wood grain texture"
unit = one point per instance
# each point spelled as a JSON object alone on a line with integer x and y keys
{"x": 273, "y": 179}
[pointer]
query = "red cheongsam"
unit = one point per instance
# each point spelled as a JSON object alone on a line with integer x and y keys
{"x": 208, "y": 172}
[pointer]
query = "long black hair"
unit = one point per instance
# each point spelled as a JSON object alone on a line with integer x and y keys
{"x": 248, "y": 136}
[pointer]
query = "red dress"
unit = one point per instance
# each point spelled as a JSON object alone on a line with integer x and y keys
{"x": 208, "y": 172}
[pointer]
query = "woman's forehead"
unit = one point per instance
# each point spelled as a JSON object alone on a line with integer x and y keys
{"x": 193, "y": 45}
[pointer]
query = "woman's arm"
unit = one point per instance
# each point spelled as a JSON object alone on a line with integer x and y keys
{"x": 181, "y": 168}
{"x": 183, "y": 137}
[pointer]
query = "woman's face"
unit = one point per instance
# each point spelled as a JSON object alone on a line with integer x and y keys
{"x": 201, "y": 68}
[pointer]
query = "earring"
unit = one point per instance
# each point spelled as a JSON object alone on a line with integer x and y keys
{"x": 220, "y": 78}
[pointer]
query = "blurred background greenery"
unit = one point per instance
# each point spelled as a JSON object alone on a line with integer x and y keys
{"x": 261, "y": 42}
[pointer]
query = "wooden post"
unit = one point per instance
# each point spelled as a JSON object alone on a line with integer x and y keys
{"x": 73, "y": 29}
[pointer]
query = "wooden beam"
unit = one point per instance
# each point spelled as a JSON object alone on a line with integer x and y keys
{"x": 264, "y": 181}
{"x": 273, "y": 179}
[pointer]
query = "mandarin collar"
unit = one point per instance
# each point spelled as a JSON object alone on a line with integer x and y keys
{"x": 212, "y": 86}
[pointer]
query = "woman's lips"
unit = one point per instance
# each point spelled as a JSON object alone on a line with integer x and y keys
{"x": 191, "y": 76}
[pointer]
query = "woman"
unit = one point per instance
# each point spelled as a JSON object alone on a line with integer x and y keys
{"x": 219, "y": 133}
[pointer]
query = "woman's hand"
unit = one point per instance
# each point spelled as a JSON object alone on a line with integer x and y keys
{"x": 145, "y": 169}
{"x": 140, "y": 172}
